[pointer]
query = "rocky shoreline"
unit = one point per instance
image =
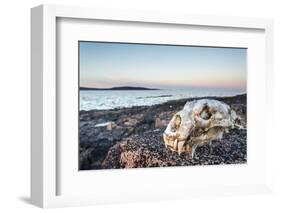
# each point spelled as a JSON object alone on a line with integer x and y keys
{"x": 132, "y": 138}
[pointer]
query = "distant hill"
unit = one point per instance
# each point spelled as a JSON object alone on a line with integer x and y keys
{"x": 118, "y": 88}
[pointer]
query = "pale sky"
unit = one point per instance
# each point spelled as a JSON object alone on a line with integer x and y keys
{"x": 104, "y": 65}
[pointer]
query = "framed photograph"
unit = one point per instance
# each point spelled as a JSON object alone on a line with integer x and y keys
{"x": 159, "y": 105}
{"x": 129, "y": 106}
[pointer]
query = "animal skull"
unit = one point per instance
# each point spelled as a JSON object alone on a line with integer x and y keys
{"x": 199, "y": 123}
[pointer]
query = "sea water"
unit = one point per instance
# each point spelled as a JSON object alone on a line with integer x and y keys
{"x": 111, "y": 99}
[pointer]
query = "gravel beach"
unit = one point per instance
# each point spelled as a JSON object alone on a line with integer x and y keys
{"x": 132, "y": 138}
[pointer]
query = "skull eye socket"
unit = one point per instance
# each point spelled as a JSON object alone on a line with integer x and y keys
{"x": 205, "y": 113}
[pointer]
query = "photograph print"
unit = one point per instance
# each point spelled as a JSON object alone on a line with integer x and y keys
{"x": 161, "y": 105}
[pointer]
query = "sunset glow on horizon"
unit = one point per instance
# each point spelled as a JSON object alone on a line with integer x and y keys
{"x": 106, "y": 65}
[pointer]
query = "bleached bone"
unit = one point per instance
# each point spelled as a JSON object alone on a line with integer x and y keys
{"x": 199, "y": 123}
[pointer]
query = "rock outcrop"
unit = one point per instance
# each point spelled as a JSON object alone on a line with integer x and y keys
{"x": 148, "y": 150}
{"x": 133, "y": 137}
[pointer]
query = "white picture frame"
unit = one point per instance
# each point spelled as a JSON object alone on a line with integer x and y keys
{"x": 44, "y": 149}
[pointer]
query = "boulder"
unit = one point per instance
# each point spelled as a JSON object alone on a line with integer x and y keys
{"x": 129, "y": 122}
{"x": 160, "y": 123}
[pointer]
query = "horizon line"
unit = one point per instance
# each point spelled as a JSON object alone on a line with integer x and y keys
{"x": 163, "y": 88}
